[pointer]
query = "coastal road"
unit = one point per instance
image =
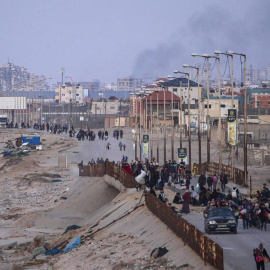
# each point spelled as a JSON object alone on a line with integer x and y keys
{"x": 237, "y": 248}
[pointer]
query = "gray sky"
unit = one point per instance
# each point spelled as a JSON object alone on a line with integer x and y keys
{"x": 106, "y": 39}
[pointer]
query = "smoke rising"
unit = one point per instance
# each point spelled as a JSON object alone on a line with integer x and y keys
{"x": 242, "y": 28}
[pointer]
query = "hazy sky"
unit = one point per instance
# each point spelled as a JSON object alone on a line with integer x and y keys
{"x": 106, "y": 39}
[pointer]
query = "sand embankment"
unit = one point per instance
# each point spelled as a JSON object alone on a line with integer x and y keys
{"x": 123, "y": 234}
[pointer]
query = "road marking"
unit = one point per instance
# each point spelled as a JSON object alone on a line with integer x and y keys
{"x": 227, "y": 248}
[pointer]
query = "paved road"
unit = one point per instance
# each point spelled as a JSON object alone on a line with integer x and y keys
{"x": 237, "y": 248}
{"x": 86, "y": 150}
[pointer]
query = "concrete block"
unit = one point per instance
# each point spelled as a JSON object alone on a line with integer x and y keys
{"x": 62, "y": 161}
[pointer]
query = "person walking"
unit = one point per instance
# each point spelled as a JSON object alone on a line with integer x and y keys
{"x": 186, "y": 200}
{"x": 223, "y": 181}
{"x": 245, "y": 216}
{"x": 124, "y": 146}
{"x": 120, "y": 146}
{"x": 210, "y": 182}
{"x": 263, "y": 216}
{"x": 261, "y": 257}
{"x": 215, "y": 181}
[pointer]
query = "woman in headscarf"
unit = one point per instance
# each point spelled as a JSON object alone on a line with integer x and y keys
{"x": 186, "y": 200}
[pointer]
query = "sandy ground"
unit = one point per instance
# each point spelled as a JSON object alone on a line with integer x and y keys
{"x": 32, "y": 208}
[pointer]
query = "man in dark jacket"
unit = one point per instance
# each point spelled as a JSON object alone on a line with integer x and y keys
{"x": 223, "y": 181}
{"x": 202, "y": 180}
{"x": 210, "y": 182}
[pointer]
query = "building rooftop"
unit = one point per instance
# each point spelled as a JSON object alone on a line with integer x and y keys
{"x": 183, "y": 82}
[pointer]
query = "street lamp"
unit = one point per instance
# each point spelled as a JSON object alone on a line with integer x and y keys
{"x": 199, "y": 114}
{"x": 180, "y": 109}
{"x": 230, "y": 53}
{"x": 158, "y": 124}
{"x": 245, "y": 113}
{"x": 207, "y": 57}
{"x": 164, "y": 123}
{"x": 172, "y": 115}
{"x": 189, "y": 131}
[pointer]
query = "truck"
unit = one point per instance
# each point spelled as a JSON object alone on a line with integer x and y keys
{"x": 3, "y": 120}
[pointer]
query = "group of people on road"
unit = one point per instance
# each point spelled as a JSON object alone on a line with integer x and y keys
{"x": 16, "y": 125}
{"x": 103, "y": 135}
{"x": 83, "y": 134}
{"x": 117, "y": 133}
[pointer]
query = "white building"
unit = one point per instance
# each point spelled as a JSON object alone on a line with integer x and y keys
{"x": 70, "y": 93}
{"x": 180, "y": 88}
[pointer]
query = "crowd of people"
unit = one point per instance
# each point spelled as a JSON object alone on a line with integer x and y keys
{"x": 16, "y": 125}
{"x": 209, "y": 190}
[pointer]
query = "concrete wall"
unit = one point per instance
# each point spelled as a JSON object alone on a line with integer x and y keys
{"x": 260, "y": 132}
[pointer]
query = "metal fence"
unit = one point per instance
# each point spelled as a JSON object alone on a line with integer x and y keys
{"x": 209, "y": 251}
{"x": 97, "y": 170}
{"x": 110, "y": 169}
{"x": 213, "y": 168}
{"x": 120, "y": 174}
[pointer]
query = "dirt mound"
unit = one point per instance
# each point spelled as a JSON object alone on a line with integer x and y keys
{"x": 11, "y": 162}
{"x": 43, "y": 177}
{"x": 85, "y": 197}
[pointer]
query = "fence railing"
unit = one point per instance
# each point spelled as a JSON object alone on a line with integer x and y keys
{"x": 110, "y": 169}
{"x": 97, "y": 170}
{"x": 213, "y": 168}
{"x": 120, "y": 174}
{"x": 209, "y": 251}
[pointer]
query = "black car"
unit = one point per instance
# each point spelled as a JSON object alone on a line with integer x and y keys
{"x": 219, "y": 219}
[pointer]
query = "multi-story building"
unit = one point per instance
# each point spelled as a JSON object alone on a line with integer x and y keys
{"x": 260, "y": 100}
{"x": 90, "y": 86}
{"x": 253, "y": 75}
{"x": 128, "y": 83}
{"x": 15, "y": 77}
{"x": 180, "y": 88}
{"x": 69, "y": 93}
{"x": 268, "y": 73}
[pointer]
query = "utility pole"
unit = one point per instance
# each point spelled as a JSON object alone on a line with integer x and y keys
{"x": 181, "y": 115}
{"x": 41, "y": 110}
{"x": 172, "y": 126}
{"x": 146, "y": 115}
{"x": 70, "y": 114}
{"x": 230, "y": 53}
{"x": 245, "y": 114}
{"x": 135, "y": 126}
{"x": 151, "y": 128}
{"x": 164, "y": 123}
{"x": 189, "y": 131}
{"x": 20, "y": 108}
{"x": 141, "y": 119}
{"x": 105, "y": 114}
{"x": 157, "y": 127}
{"x": 208, "y": 116}
{"x": 199, "y": 123}
{"x": 119, "y": 116}
{"x": 233, "y": 146}
{"x": 219, "y": 118}
{"x": 245, "y": 119}
{"x": 199, "y": 115}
